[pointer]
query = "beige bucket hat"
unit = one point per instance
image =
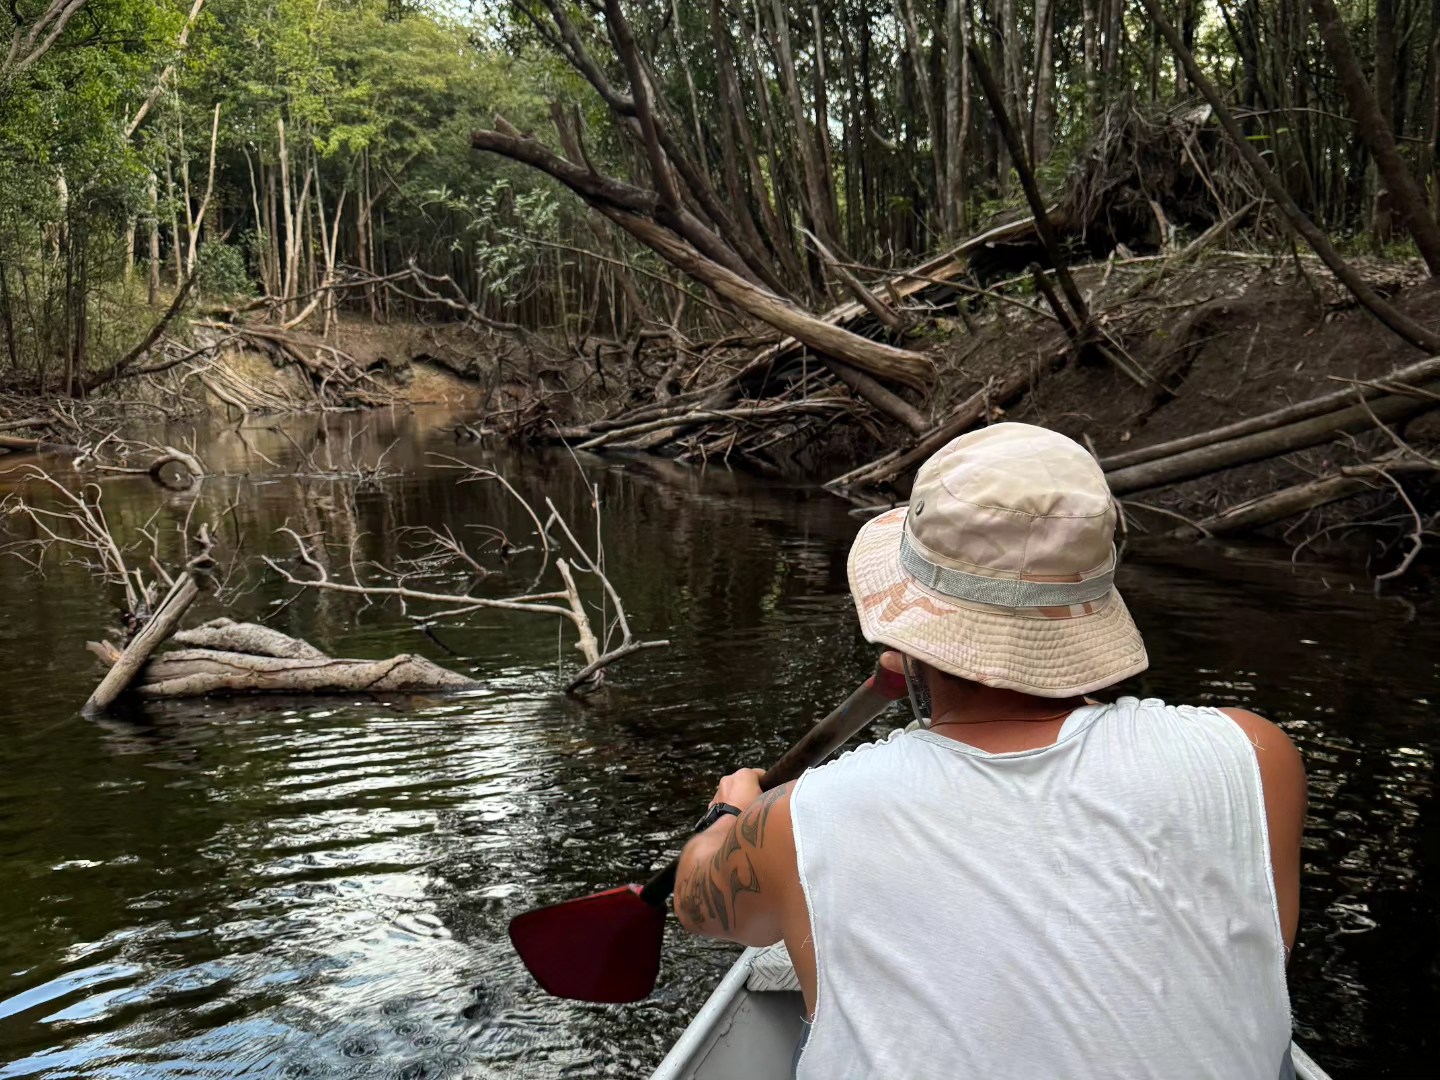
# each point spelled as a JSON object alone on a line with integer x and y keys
{"x": 1001, "y": 569}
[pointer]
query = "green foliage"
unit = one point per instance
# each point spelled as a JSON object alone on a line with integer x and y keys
{"x": 500, "y": 227}
{"x": 220, "y": 272}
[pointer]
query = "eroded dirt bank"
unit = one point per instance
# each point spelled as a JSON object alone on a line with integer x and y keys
{"x": 1190, "y": 349}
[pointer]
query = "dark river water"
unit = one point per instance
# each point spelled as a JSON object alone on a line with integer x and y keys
{"x": 320, "y": 888}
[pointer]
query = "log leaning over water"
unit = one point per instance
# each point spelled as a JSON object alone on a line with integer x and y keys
{"x": 689, "y": 246}
{"x": 1411, "y": 375}
{"x": 1288, "y": 502}
{"x": 1262, "y": 445}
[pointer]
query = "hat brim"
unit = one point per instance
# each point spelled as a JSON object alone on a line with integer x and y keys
{"x": 1047, "y": 652}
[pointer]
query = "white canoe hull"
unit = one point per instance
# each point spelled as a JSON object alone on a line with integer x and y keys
{"x": 746, "y": 1034}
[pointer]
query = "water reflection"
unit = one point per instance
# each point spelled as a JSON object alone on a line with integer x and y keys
{"x": 288, "y": 888}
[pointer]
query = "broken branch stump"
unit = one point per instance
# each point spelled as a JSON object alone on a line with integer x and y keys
{"x": 161, "y": 625}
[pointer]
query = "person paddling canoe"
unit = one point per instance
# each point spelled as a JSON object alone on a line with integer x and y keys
{"x": 1031, "y": 884}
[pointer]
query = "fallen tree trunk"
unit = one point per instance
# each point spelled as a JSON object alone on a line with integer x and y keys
{"x": 227, "y": 635}
{"x": 1411, "y": 375}
{"x": 891, "y": 404}
{"x": 20, "y": 445}
{"x": 640, "y": 213}
{"x": 196, "y": 672}
{"x": 904, "y": 284}
{"x": 885, "y": 361}
{"x": 244, "y": 658}
{"x": 1288, "y": 502}
{"x": 961, "y": 419}
{"x": 1264, "y": 444}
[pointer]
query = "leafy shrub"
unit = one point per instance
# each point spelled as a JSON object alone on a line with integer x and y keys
{"x": 221, "y": 271}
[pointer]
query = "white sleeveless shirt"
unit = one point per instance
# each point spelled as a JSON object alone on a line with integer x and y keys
{"x": 1102, "y": 907}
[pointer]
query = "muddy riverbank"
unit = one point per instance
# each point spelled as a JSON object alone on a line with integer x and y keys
{"x": 1195, "y": 348}
{"x": 288, "y": 887}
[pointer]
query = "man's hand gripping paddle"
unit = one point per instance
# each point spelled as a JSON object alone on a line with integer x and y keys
{"x": 606, "y": 947}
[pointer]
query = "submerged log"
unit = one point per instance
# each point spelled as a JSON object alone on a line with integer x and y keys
{"x": 197, "y": 672}
{"x": 244, "y": 658}
{"x": 21, "y": 445}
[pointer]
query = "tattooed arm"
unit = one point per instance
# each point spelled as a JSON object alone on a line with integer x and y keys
{"x": 738, "y": 876}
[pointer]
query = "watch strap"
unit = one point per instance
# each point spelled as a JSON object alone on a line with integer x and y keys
{"x": 714, "y": 814}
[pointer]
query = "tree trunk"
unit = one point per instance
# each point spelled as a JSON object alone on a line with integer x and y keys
{"x": 1384, "y": 60}
{"x": 885, "y": 361}
{"x": 731, "y": 122}
{"x": 1369, "y": 115}
{"x": 153, "y": 190}
{"x": 1042, "y": 117}
{"x": 927, "y": 100}
{"x": 957, "y": 114}
{"x": 1089, "y": 47}
{"x": 821, "y": 213}
{"x": 287, "y": 274}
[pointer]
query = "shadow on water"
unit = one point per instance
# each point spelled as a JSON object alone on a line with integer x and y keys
{"x": 290, "y": 887}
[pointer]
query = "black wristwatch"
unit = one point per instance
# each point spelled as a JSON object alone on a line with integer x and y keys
{"x": 714, "y": 814}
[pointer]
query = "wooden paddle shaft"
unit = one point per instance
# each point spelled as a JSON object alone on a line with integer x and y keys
{"x": 867, "y": 702}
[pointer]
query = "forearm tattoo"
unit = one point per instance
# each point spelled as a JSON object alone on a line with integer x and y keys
{"x": 711, "y": 891}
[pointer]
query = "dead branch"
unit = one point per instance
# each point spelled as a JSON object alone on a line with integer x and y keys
{"x": 78, "y": 525}
{"x": 566, "y": 603}
{"x": 155, "y": 629}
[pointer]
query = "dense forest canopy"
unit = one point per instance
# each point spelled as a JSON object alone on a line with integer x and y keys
{"x": 244, "y": 148}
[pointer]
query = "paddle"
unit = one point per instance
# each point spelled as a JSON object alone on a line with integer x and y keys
{"x": 606, "y": 947}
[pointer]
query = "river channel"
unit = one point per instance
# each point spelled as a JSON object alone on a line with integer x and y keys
{"x": 319, "y": 888}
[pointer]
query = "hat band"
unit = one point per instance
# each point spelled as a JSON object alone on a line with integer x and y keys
{"x": 1002, "y": 592}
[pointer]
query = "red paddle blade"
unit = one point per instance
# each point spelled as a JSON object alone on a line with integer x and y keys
{"x": 604, "y": 947}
